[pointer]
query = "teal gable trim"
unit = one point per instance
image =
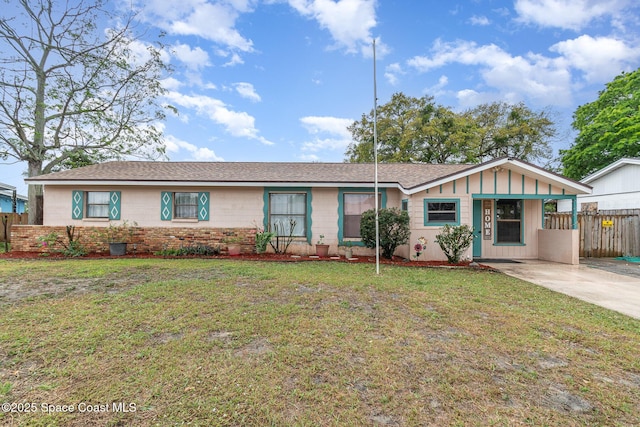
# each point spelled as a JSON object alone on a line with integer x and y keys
{"x": 440, "y": 224}
{"x": 341, "y": 192}
{"x": 509, "y": 181}
{"x": 481, "y": 178}
{"x": 467, "y": 184}
{"x": 495, "y": 182}
{"x": 522, "y": 196}
{"x": 265, "y": 206}
{"x": 114, "y": 205}
{"x": 454, "y": 186}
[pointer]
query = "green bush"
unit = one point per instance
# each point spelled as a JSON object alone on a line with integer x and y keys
{"x": 263, "y": 238}
{"x": 201, "y": 250}
{"x": 394, "y": 229}
{"x": 454, "y": 240}
{"x": 71, "y": 247}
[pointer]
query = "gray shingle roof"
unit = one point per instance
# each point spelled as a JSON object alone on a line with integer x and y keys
{"x": 406, "y": 175}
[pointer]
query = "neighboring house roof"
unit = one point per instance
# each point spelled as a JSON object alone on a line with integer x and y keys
{"x": 7, "y": 190}
{"x": 409, "y": 178}
{"x": 608, "y": 169}
{"x": 10, "y": 195}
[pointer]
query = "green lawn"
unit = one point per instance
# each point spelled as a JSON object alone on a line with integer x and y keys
{"x": 210, "y": 342}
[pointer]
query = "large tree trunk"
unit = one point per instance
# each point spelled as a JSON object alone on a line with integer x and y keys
{"x": 35, "y": 195}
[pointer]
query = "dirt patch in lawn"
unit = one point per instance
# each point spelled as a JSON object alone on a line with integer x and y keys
{"x": 24, "y": 288}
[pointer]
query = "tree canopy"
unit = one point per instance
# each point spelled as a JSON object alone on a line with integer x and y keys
{"x": 416, "y": 130}
{"x": 608, "y": 128}
{"x": 72, "y": 92}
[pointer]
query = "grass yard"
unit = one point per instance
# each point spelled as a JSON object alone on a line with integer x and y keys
{"x": 208, "y": 342}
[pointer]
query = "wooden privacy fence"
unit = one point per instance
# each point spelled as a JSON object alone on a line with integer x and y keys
{"x": 7, "y": 220}
{"x": 602, "y": 234}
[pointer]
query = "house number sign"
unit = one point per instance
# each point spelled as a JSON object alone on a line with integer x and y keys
{"x": 486, "y": 219}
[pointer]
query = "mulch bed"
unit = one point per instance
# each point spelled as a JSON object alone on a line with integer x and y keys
{"x": 251, "y": 257}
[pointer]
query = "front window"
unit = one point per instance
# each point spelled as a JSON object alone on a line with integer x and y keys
{"x": 186, "y": 205}
{"x": 508, "y": 221}
{"x": 355, "y": 204}
{"x": 441, "y": 212}
{"x": 97, "y": 204}
{"x": 288, "y": 212}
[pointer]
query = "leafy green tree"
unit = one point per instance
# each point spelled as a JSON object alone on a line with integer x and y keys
{"x": 71, "y": 92}
{"x": 416, "y": 130}
{"x": 410, "y": 130}
{"x": 510, "y": 130}
{"x": 608, "y": 128}
{"x": 393, "y": 229}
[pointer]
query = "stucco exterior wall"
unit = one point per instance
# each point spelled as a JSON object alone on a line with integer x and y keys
{"x": 244, "y": 207}
{"x": 559, "y": 246}
{"x": 229, "y": 207}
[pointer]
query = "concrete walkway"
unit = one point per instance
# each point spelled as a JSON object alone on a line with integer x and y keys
{"x": 610, "y": 290}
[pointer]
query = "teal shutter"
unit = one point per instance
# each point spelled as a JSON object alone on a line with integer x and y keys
{"x": 77, "y": 204}
{"x": 203, "y": 206}
{"x": 166, "y": 205}
{"x": 114, "y": 205}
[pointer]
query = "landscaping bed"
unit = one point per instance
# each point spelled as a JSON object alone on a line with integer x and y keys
{"x": 248, "y": 257}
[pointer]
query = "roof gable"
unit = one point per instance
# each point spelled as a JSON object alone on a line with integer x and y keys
{"x": 608, "y": 169}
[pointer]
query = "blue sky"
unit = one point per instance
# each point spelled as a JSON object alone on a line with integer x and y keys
{"x": 280, "y": 80}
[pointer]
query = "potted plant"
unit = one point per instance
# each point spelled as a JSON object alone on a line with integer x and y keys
{"x": 348, "y": 251}
{"x": 234, "y": 245}
{"x": 117, "y": 236}
{"x": 322, "y": 249}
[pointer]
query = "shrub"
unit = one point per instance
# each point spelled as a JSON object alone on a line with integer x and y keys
{"x": 201, "y": 250}
{"x": 263, "y": 238}
{"x": 394, "y": 229}
{"x": 70, "y": 248}
{"x": 454, "y": 240}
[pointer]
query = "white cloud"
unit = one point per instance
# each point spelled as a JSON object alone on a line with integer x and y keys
{"x": 469, "y": 98}
{"x": 543, "y": 80}
{"x": 480, "y": 20}
{"x": 330, "y": 133}
{"x": 599, "y": 58}
{"x": 566, "y": 14}
{"x": 213, "y": 21}
{"x": 437, "y": 89}
{"x": 391, "y": 73}
{"x": 171, "y": 83}
{"x": 237, "y": 124}
{"x": 246, "y": 90}
{"x": 349, "y": 21}
{"x": 175, "y": 145}
{"x": 194, "y": 59}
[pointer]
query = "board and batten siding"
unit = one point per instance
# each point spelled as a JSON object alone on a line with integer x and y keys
{"x": 490, "y": 185}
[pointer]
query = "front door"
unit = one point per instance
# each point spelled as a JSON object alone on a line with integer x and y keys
{"x": 477, "y": 228}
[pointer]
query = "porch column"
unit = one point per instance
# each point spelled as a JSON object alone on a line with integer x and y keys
{"x": 574, "y": 212}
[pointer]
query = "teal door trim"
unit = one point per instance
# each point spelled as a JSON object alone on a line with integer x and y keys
{"x": 477, "y": 228}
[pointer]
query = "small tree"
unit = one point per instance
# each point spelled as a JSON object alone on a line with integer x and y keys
{"x": 394, "y": 229}
{"x": 454, "y": 240}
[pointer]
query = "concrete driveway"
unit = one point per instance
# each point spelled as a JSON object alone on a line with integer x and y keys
{"x": 619, "y": 292}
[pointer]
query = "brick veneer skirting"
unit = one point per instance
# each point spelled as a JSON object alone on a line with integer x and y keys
{"x": 24, "y": 238}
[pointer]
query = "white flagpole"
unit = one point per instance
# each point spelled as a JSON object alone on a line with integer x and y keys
{"x": 375, "y": 158}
